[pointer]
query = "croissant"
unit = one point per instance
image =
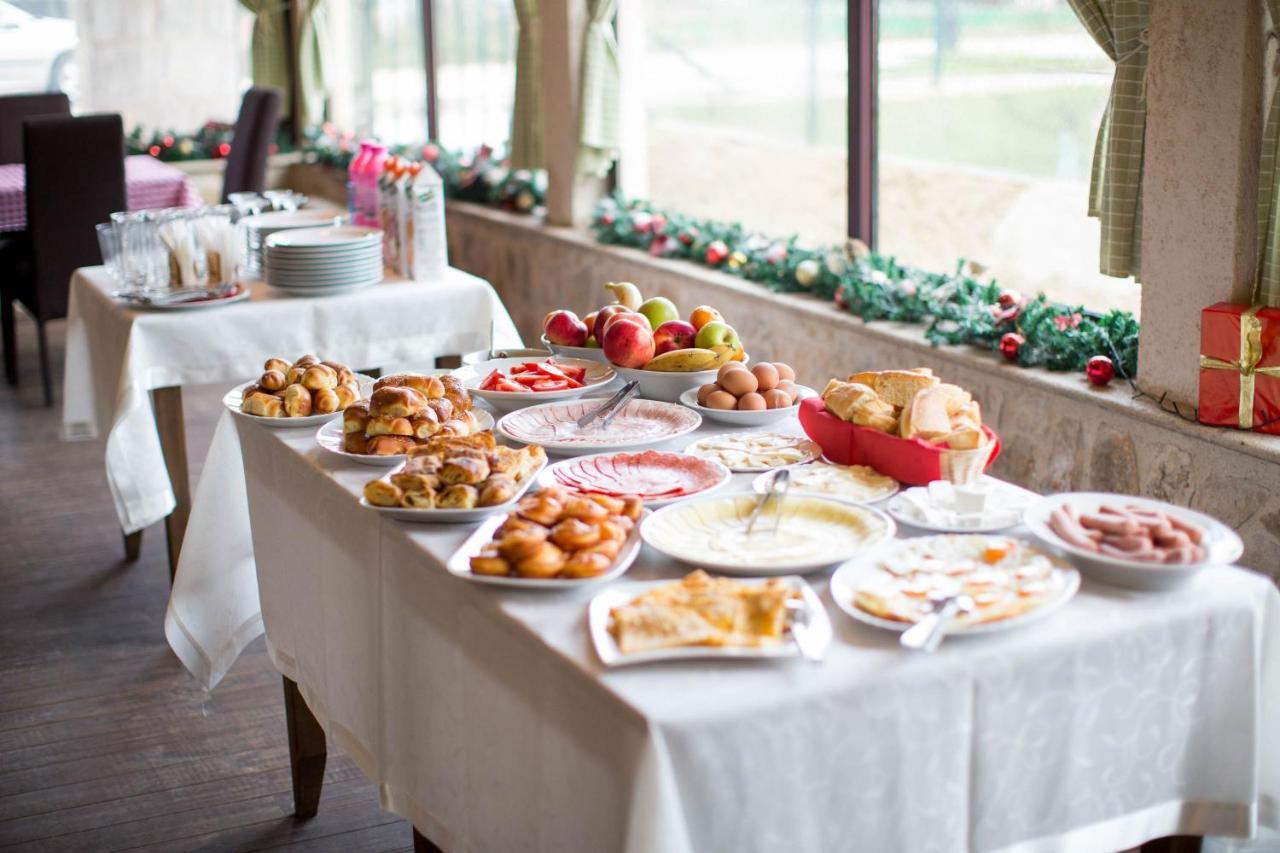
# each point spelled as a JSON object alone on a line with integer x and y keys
{"x": 456, "y": 393}
{"x": 388, "y": 445}
{"x": 272, "y": 380}
{"x": 325, "y": 401}
{"x": 297, "y": 401}
{"x": 382, "y": 493}
{"x": 443, "y": 409}
{"x": 421, "y": 500}
{"x": 262, "y": 405}
{"x": 464, "y": 469}
{"x": 498, "y": 489}
{"x": 457, "y": 496}
{"x": 385, "y": 425}
{"x": 278, "y": 364}
{"x": 414, "y": 482}
{"x": 293, "y": 376}
{"x": 355, "y": 417}
{"x": 306, "y": 361}
{"x": 395, "y": 402}
{"x": 319, "y": 376}
{"x": 348, "y": 394}
{"x": 424, "y": 424}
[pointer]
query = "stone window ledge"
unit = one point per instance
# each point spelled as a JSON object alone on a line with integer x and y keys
{"x": 1116, "y": 399}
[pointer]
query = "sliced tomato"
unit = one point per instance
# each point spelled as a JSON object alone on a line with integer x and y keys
{"x": 577, "y": 374}
{"x": 551, "y": 385}
{"x": 491, "y": 381}
{"x": 505, "y": 384}
{"x": 527, "y": 378}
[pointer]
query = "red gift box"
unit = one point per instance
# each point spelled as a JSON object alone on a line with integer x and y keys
{"x": 1240, "y": 367}
{"x": 908, "y": 460}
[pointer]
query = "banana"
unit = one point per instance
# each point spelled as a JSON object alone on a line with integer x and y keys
{"x": 723, "y": 354}
{"x": 625, "y": 293}
{"x": 683, "y": 361}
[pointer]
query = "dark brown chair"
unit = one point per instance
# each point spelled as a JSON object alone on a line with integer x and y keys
{"x": 14, "y": 109}
{"x": 75, "y": 179}
{"x": 256, "y": 128}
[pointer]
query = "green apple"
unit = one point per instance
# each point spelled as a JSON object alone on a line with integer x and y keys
{"x": 716, "y": 333}
{"x": 659, "y": 310}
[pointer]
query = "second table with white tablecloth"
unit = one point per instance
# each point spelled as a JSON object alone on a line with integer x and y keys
{"x": 117, "y": 354}
{"x": 487, "y": 720}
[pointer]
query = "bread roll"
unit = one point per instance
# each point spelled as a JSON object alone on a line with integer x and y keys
{"x": 896, "y": 387}
{"x": 424, "y": 424}
{"x": 355, "y": 442}
{"x": 293, "y": 376}
{"x": 843, "y": 399}
{"x": 306, "y": 361}
{"x": 382, "y": 493}
{"x": 276, "y": 364}
{"x": 464, "y": 469}
{"x": 318, "y": 377}
{"x": 348, "y": 393}
{"x": 931, "y": 411}
{"x": 388, "y": 426}
{"x": 325, "y": 401}
{"x": 388, "y": 445}
{"x": 442, "y": 407}
{"x": 396, "y": 402}
{"x": 262, "y": 405}
{"x": 272, "y": 380}
{"x": 297, "y": 401}
{"x": 355, "y": 418}
{"x": 459, "y": 496}
{"x": 456, "y": 393}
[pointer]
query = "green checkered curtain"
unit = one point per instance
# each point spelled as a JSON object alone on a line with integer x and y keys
{"x": 1267, "y": 283}
{"x": 598, "y": 136}
{"x": 1115, "y": 186}
{"x": 526, "y": 112}
{"x": 270, "y": 54}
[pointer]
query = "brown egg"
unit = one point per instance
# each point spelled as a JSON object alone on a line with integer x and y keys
{"x": 738, "y": 382}
{"x": 705, "y": 391}
{"x": 766, "y": 376}
{"x": 792, "y": 389}
{"x": 777, "y": 398}
{"x": 721, "y": 400}
{"x": 752, "y": 402}
{"x": 731, "y": 366}
{"x": 784, "y": 371}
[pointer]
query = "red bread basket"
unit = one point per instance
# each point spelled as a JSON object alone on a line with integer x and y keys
{"x": 908, "y": 460}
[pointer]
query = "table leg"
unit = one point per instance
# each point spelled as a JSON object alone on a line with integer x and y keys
{"x": 307, "y": 752}
{"x": 1173, "y": 844}
{"x": 422, "y": 844}
{"x": 167, "y": 403}
{"x": 132, "y": 545}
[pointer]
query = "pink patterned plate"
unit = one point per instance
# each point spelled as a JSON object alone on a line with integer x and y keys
{"x": 640, "y": 422}
{"x": 656, "y": 477}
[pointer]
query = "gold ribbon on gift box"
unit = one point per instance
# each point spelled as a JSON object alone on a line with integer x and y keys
{"x": 1247, "y": 366}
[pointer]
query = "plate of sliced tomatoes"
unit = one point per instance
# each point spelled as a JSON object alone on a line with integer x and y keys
{"x": 513, "y": 383}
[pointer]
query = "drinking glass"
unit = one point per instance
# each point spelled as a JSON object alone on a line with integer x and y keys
{"x": 109, "y": 245}
{"x": 140, "y": 251}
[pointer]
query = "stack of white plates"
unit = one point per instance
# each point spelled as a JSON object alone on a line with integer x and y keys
{"x": 321, "y": 261}
{"x": 259, "y": 227}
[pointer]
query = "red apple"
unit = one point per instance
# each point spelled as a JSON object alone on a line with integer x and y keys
{"x": 673, "y": 334}
{"x": 628, "y": 344}
{"x": 624, "y": 317}
{"x": 564, "y": 329}
{"x": 597, "y": 326}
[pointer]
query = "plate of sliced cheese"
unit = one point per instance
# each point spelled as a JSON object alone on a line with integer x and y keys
{"x": 859, "y": 484}
{"x": 753, "y": 452}
{"x": 700, "y": 616}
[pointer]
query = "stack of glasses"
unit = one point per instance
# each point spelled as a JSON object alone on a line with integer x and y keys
{"x": 159, "y": 251}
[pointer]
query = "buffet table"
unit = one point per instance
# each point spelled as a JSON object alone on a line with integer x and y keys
{"x": 487, "y": 720}
{"x": 116, "y": 354}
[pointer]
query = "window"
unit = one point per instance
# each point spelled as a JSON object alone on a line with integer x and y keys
{"x": 374, "y": 68}
{"x": 475, "y": 44}
{"x": 38, "y": 46}
{"x": 743, "y": 115}
{"x": 987, "y": 115}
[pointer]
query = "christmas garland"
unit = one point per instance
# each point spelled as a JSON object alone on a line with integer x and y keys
{"x": 481, "y": 177}
{"x": 959, "y": 308}
{"x": 210, "y": 142}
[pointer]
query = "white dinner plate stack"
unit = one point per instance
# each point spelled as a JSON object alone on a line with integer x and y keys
{"x": 321, "y": 261}
{"x": 259, "y": 227}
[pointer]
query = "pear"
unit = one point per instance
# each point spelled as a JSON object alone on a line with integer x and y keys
{"x": 625, "y": 293}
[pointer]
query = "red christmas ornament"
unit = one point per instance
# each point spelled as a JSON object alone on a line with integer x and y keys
{"x": 608, "y": 219}
{"x": 154, "y": 150}
{"x": 431, "y": 152}
{"x": 1010, "y": 344}
{"x": 775, "y": 254}
{"x": 168, "y": 141}
{"x": 716, "y": 253}
{"x": 641, "y": 222}
{"x": 688, "y": 235}
{"x": 841, "y": 300}
{"x": 1100, "y": 370}
{"x": 224, "y": 148}
{"x": 1009, "y": 298}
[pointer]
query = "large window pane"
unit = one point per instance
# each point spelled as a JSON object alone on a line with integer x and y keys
{"x": 475, "y": 71}
{"x": 374, "y": 68}
{"x": 987, "y": 117}
{"x": 744, "y": 110}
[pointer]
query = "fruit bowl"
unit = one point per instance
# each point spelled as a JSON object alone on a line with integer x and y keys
{"x": 908, "y": 460}
{"x": 471, "y": 375}
{"x": 588, "y": 353}
{"x": 667, "y": 386}
{"x": 739, "y": 417}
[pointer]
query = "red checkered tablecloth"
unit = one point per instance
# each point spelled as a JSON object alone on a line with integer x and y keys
{"x": 149, "y": 183}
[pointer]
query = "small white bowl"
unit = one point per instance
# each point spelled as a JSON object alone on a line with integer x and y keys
{"x": 738, "y": 417}
{"x": 597, "y": 376}
{"x": 1222, "y": 545}
{"x": 667, "y": 386}
{"x": 587, "y": 353}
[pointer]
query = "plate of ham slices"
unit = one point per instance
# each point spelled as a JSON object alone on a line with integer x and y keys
{"x": 657, "y": 478}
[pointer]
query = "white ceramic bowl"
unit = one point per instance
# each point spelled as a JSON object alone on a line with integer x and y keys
{"x": 743, "y": 418}
{"x": 1222, "y": 545}
{"x": 471, "y": 375}
{"x": 668, "y": 386}
{"x": 588, "y": 353}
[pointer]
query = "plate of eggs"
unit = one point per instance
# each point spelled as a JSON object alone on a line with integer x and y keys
{"x": 761, "y": 394}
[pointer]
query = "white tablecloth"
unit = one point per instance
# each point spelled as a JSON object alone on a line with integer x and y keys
{"x": 487, "y": 720}
{"x": 115, "y": 355}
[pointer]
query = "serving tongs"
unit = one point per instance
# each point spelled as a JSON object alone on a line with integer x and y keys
{"x": 611, "y": 407}
{"x": 779, "y": 484}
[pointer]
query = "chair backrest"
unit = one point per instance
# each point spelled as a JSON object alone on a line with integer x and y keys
{"x": 14, "y": 109}
{"x": 75, "y": 179}
{"x": 256, "y": 128}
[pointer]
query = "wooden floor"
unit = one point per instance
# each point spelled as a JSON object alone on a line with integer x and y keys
{"x": 105, "y": 742}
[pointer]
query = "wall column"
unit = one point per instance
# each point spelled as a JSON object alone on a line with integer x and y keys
{"x": 1200, "y": 178}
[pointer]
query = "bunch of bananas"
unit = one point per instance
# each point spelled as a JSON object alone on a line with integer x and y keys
{"x": 691, "y": 360}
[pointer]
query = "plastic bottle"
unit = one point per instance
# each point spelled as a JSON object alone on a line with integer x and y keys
{"x": 404, "y": 217}
{"x": 388, "y": 211}
{"x": 430, "y": 249}
{"x": 367, "y": 186}
{"x": 354, "y": 169}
